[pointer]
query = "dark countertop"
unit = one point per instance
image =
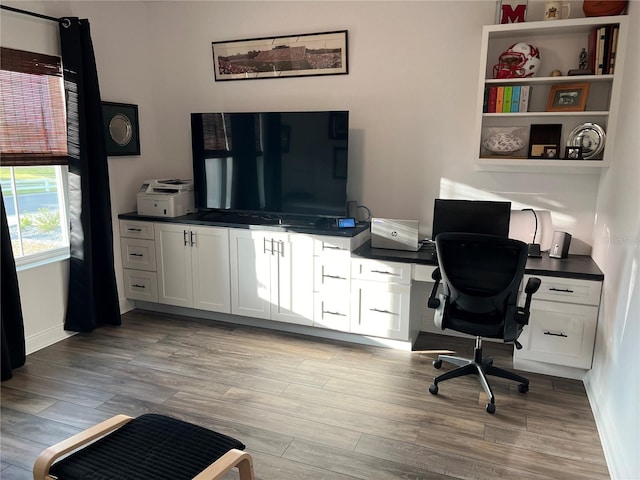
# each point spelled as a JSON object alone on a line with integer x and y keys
{"x": 575, "y": 266}
{"x": 310, "y": 225}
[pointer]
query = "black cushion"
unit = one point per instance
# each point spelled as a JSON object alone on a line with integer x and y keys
{"x": 150, "y": 447}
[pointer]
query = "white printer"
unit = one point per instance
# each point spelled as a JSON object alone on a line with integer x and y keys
{"x": 166, "y": 198}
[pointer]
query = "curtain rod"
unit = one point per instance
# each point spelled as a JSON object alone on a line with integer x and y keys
{"x": 64, "y": 21}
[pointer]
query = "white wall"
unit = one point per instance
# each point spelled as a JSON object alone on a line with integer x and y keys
{"x": 411, "y": 91}
{"x": 614, "y": 382}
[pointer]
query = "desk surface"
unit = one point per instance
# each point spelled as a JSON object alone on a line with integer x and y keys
{"x": 575, "y": 266}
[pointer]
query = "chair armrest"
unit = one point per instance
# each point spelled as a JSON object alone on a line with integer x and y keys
{"x": 522, "y": 316}
{"x": 233, "y": 458}
{"x": 433, "y": 301}
{"x": 51, "y": 454}
{"x": 533, "y": 284}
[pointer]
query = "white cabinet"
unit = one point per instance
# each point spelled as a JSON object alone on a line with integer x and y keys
{"x": 332, "y": 283}
{"x": 193, "y": 266}
{"x": 139, "y": 260}
{"x": 559, "y": 43}
{"x": 382, "y": 300}
{"x": 562, "y": 326}
{"x": 272, "y": 275}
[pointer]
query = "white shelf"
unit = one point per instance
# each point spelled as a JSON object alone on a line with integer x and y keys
{"x": 547, "y": 114}
{"x": 549, "y": 80}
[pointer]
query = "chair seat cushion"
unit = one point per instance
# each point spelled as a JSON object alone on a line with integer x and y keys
{"x": 150, "y": 447}
{"x": 488, "y": 325}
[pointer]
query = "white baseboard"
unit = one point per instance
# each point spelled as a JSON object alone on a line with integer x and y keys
{"x": 46, "y": 337}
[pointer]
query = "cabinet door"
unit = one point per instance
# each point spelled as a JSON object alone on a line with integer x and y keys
{"x": 173, "y": 252}
{"x": 250, "y": 261}
{"x": 210, "y": 267}
{"x": 380, "y": 309}
{"x": 292, "y": 279}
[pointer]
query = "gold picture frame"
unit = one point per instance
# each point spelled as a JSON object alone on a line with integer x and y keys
{"x": 568, "y": 97}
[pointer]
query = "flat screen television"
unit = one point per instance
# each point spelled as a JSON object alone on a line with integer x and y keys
{"x": 280, "y": 163}
{"x": 471, "y": 216}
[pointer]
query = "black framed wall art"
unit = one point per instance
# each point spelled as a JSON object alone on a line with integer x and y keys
{"x": 121, "y": 129}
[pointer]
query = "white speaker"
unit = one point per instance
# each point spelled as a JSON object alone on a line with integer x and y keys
{"x": 560, "y": 245}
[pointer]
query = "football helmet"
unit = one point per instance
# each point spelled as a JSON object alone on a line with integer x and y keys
{"x": 518, "y": 61}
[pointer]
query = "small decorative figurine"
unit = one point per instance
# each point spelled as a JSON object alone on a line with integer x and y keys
{"x": 583, "y": 60}
{"x": 583, "y": 69}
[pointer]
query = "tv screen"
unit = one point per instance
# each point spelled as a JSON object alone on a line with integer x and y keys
{"x": 471, "y": 216}
{"x": 271, "y": 162}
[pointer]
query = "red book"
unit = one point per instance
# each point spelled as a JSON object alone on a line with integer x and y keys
{"x": 593, "y": 37}
{"x": 493, "y": 93}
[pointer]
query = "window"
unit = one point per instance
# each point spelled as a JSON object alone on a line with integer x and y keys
{"x": 33, "y": 154}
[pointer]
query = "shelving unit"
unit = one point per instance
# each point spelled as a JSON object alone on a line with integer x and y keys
{"x": 559, "y": 43}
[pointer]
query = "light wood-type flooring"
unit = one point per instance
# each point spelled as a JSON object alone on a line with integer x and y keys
{"x": 307, "y": 408}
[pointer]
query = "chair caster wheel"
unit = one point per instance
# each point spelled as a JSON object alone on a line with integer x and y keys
{"x": 433, "y": 389}
{"x": 491, "y": 408}
{"x": 437, "y": 364}
{"x": 522, "y": 388}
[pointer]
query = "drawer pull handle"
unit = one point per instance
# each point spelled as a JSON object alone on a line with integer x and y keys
{"x": 191, "y": 238}
{"x": 555, "y": 334}
{"x": 382, "y": 311}
{"x": 131, "y": 229}
{"x": 564, "y": 290}
{"x": 136, "y": 255}
{"x": 384, "y": 273}
{"x": 330, "y": 247}
{"x": 184, "y": 237}
{"x": 337, "y": 277}
{"x": 138, "y": 286}
{"x": 327, "y": 312}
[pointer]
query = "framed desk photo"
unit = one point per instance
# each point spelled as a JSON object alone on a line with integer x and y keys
{"x": 568, "y": 98}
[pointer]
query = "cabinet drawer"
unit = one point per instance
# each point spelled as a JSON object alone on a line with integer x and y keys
{"x": 381, "y": 309}
{"x": 138, "y": 254}
{"x": 333, "y": 273}
{"x": 331, "y": 244}
{"x": 379, "y": 271}
{"x": 559, "y": 333}
{"x": 135, "y": 229}
{"x": 569, "y": 290}
{"x": 141, "y": 285}
{"x": 332, "y": 309}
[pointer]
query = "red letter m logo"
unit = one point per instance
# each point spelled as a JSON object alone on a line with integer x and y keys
{"x": 511, "y": 15}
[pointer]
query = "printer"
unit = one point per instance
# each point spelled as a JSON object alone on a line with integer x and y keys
{"x": 166, "y": 198}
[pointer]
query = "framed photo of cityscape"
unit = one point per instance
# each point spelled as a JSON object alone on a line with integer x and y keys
{"x": 283, "y": 56}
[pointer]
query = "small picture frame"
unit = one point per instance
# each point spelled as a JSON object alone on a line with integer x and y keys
{"x": 121, "y": 130}
{"x": 543, "y": 137}
{"x": 568, "y": 98}
{"x": 550, "y": 151}
{"x": 573, "y": 153}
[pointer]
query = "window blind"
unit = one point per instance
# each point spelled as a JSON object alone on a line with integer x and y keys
{"x": 32, "y": 109}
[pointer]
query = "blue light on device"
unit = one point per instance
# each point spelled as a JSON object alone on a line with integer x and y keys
{"x": 346, "y": 222}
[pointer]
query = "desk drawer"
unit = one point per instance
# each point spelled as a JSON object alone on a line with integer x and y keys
{"x": 568, "y": 290}
{"x": 379, "y": 271}
{"x": 135, "y": 229}
{"x": 138, "y": 254}
{"x": 141, "y": 285}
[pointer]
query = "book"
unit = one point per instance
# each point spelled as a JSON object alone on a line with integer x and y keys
{"x": 524, "y": 98}
{"x": 493, "y": 93}
{"x": 613, "y": 50}
{"x": 499, "y": 97}
{"x": 515, "y": 98}
{"x": 506, "y": 99}
{"x": 485, "y": 100}
{"x": 608, "y": 37}
{"x": 592, "y": 50}
{"x": 600, "y": 50}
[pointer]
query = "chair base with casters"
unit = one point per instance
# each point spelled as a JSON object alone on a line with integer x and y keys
{"x": 149, "y": 446}
{"x": 478, "y": 366}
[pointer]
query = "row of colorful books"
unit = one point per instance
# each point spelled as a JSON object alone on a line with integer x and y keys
{"x": 506, "y": 99}
{"x": 603, "y": 45}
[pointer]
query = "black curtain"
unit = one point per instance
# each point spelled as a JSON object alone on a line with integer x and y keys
{"x": 93, "y": 295}
{"x": 11, "y": 324}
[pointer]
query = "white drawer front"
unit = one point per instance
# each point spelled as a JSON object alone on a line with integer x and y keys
{"x": 141, "y": 285}
{"x": 138, "y": 254}
{"x": 331, "y": 244}
{"x": 379, "y": 271}
{"x": 380, "y": 309}
{"x": 561, "y": 334}
{"x": 422, "y": 273}
{"x": 135, "y": 229}
{"x": 570, "y": 290}
{"x": 332, "y": 273}
{"x": 332, "y": 310}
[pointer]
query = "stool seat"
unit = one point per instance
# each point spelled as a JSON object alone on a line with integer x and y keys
{"x": 149, "y": 447}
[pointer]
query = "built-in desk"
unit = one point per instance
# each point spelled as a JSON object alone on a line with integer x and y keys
{"x": 560, "y": 337}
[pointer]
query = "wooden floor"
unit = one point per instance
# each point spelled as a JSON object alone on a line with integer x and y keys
{"x": 306, "y": 408}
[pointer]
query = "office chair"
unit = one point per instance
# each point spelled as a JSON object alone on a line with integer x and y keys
{"x": 148, "y": 447}
{"x": 481, "y": 276}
